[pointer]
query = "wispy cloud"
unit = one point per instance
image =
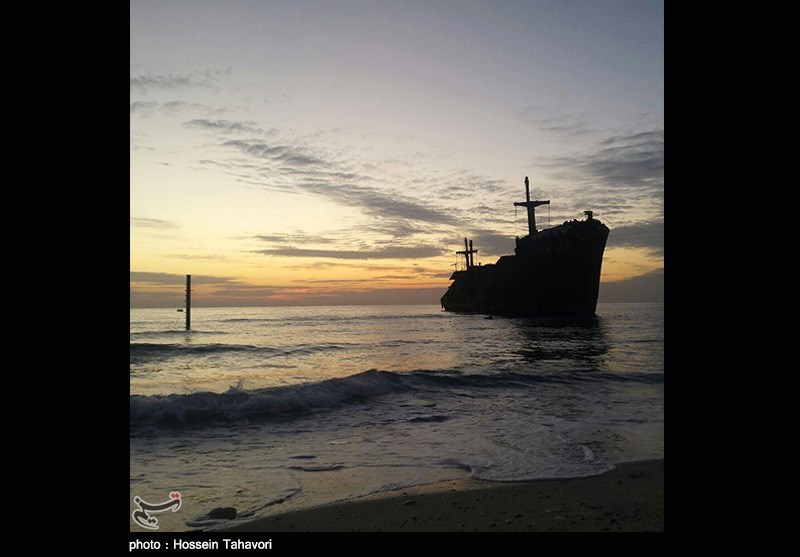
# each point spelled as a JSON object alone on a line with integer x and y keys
{"x": 166, "y": 290}
{"x": 320, "y": 175}
{"x": 144, "y": 106}
{"x": 211, "y": 257}
{"x": 550, "y": 119}
{"x": 245, "y": 291}
{"x": 465, "y": 181}
{"x": 643, "y": 288}
{"x": 225, "y": 126}
{"x": 291, "y": 157}
{"x": 141, "y": 222}
{"x": 176, "y": 107}
{"x": 649, "y": 235}
{"x": 379, "y": 204}
{"x": 204, "y": 78}
{"x": 491, "y": 243}
{"x": 175, "y": 279}
{"x": 395, "y": 228}
{"x": 388, "y": 252}
{"x": 634, "y": 160}
{"x": 293, "y": 238}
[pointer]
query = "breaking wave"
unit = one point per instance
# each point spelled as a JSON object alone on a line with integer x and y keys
{"x": 282, "y": 403}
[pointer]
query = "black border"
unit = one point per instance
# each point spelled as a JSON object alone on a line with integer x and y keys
{"x": 112, "y": 465}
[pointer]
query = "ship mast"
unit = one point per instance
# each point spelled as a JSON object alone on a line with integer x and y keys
{"x": 467, "y": 253}
{"x": 531, "y": 206}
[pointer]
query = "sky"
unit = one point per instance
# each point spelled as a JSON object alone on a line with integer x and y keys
{"x": 338, "y": 152}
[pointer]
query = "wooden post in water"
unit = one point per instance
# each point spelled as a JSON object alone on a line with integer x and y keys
{"x": 188, "y": 302}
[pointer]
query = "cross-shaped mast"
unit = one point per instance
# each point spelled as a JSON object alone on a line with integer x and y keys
{"x": 531, "y": 206}
{"x": 467, "y": 253}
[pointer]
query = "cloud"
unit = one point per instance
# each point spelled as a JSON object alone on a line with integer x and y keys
{"x": 464, "y": 181}
{"x": 141, "y": 222}
{"x": 394, "y": 277}
{"x": 205, "y": 78}
{"x": 144, "y": 106}
{"x": 289, "y": 157}
{"x": 156, "y": 278}
{"x": 244, "y": 291}
{"x": 458, "y": 186}
{"x": 555, "y": 120}
{"x": 395, "y": 228}
{"x": 389, "y": 252}
{"x": 172, "y": 108}
{"x": 633, "y": 160}
{"x": 315, "y": 295}
{"x": 492, "y": 243}
{"x": 212, "y": 257}
{"x": 292, "y": 239}
{"x": 155, "y": 299}
{"x": 166, "y": 290}
{"x": 379, "y": 204}
{"x": 179, "y": 105}
{"x": 648, "y": 235}
{"x": 328, "y": 179}
{"x": 224, "y": 125}
{"x": 400, "y": 273}
{"x": 174, "y": 279}
{"x": 317, "y": 265}
{"x": 644, "y": 288}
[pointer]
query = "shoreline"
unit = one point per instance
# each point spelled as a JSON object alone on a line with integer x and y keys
{"x": 629, "y": 498}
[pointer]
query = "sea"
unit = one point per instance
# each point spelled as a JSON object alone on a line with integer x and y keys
{"x": 270, "y": 409}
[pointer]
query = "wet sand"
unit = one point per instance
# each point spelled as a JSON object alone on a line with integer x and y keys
{"x": 630, "y": 498}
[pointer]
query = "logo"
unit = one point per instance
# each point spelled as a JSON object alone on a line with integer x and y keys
{"x": 142, "y": 517}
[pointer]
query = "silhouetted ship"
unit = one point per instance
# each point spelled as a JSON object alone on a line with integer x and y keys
{"x": 556, "y": 271}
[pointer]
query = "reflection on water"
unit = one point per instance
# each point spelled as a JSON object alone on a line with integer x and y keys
{"x": 581, "y": 341}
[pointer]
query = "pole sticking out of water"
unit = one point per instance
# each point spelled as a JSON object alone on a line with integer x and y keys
{"x": 188, "y": 302}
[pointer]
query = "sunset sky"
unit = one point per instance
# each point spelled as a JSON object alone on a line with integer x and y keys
{"x": 337, "y": 152}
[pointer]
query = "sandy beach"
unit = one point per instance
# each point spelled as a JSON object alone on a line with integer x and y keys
{"x": 630, "y": 498}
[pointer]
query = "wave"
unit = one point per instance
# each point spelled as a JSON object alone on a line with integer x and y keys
{"x": 322, "y": 468}
{"x": 206, "y": 408}
{"x": 203, "y": 409}
{"x": 213, "y": 520}
{"x": 336, "y": 319}
{"x": 176, "y": 332}
{"x": 429, "y": 419}
{"x": 152, "y": 350}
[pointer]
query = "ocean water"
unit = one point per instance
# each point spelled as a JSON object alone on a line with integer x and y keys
{"x": 271, "y": 409}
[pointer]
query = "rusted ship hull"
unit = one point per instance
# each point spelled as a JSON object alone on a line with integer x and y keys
{"x": 554, "y": 272}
